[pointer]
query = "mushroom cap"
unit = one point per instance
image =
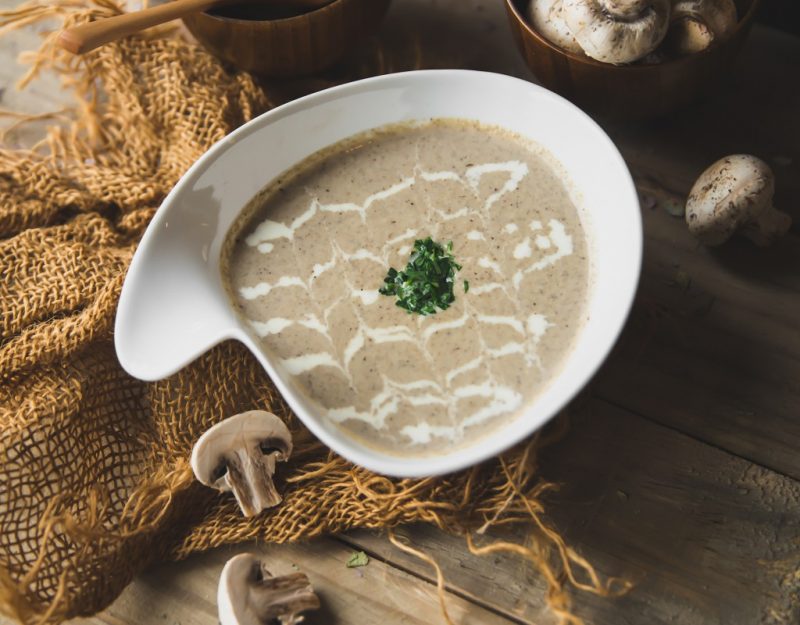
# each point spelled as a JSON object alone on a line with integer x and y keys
{"x": 734, "y": 191}
{"x": 617, "y": 31}
{"x": 234, "y": 603}
{"x": 687, "y": 36}
{"x": 248, "y": 594}
{"x": 239, "y": 455}
{"x": 696, "y": 24}
{"x": 545, "y": 16}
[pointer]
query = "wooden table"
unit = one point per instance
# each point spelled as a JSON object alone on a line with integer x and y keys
{"x": 681, "y": 468}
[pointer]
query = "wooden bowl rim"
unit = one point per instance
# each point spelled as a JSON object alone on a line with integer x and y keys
{"x": 282, "y": 20}
{"x": 511, "y": 5}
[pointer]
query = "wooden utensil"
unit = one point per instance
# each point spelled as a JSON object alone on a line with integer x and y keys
{"x": 86, "y": 37}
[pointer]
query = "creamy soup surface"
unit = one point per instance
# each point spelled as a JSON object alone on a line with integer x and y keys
{"x": 306, "y": 259}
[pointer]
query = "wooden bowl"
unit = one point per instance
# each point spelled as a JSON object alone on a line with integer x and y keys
{"x": 291, "y": 46}
{"x": 630, "y": 91}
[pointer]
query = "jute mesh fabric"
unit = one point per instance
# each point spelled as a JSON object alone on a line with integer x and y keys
{"x": 94, "y": 477}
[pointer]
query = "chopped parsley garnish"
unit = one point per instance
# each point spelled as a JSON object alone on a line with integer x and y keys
{"x": 427, "y": 281}
{"x": 357, "y": 558}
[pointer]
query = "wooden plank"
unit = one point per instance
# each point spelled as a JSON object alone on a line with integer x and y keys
{"x": 706, "y": 537}
{"x": 722, "y": 361}
{"x": 184, "y": 593}
{"x": 752, "y": 110}
{"x": 712, "y": 350}
{"x": 502, "y": 582}
{"x": 42, "y": 96}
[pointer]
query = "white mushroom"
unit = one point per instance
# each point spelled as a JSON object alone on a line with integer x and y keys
{"x": 239, "y": 455}
{"x": 545, "y": 16}
{"x": 735, "y": 193}
{"x": 617, "y": 31}
{"x": 696, "y": 24}
{"x": 249, "y": 595}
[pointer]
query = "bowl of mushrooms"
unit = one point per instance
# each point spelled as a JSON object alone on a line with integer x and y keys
{"x": 640, "y": 58}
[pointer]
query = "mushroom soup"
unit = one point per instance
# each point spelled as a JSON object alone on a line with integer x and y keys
{"x": 306, "y": 260}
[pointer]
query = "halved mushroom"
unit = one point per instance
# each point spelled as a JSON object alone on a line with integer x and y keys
{"x": 735, "y": 193}
{"x": 696, "y": 24}
{"x": 545, "y": 16}
{"x": 239, "y": 455}
{"x": 617, "y": 31}
{"x": 249, "y": 595}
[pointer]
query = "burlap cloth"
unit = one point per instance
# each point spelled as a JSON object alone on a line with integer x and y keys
{"x": 94, "y": 479}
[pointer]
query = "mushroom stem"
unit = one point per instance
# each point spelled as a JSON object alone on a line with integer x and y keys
{"x": 249, "y": 476}
{"x": 624, "y": 9}
{"x": 239, "y": 455}
{"x": 284, "y": 598}
{"x": 770, "y": 225}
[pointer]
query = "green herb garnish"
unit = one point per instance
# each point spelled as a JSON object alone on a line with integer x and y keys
{"x": 356, "y": 559}
{"x": 427, "y": 281}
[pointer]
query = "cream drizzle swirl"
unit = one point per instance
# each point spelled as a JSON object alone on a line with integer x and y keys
{"x": 500, "y": 399}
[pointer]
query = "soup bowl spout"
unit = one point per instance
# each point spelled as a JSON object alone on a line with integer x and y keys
{"x": 175, "y": 304}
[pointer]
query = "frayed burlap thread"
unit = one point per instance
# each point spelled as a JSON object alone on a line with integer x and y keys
{"x": 94, "y": 477}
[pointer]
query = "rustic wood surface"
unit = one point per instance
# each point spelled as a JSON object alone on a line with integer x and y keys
{"x": 680, "y": 470}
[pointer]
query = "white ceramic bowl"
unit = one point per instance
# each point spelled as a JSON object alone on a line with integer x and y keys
{"x": 173, "y": 305}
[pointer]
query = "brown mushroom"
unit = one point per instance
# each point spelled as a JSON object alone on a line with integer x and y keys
{"x": 696, "y": 24}
{"x": 239, "y": 455}
{"x": 735, "y": 194}
{"x": 248, "y": 594}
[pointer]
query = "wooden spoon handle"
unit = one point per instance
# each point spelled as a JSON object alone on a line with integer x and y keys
{"x": 91, "y": 35}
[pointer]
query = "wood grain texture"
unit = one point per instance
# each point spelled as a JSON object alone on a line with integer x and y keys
{"x": 706, "y": 537}
{"x": 85, "y": 37}
{"x": 184, "y": 593}
{"x": 720, "y": 359}
{"x": 43, "y": 95}
{"x": 294, "y": 46}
